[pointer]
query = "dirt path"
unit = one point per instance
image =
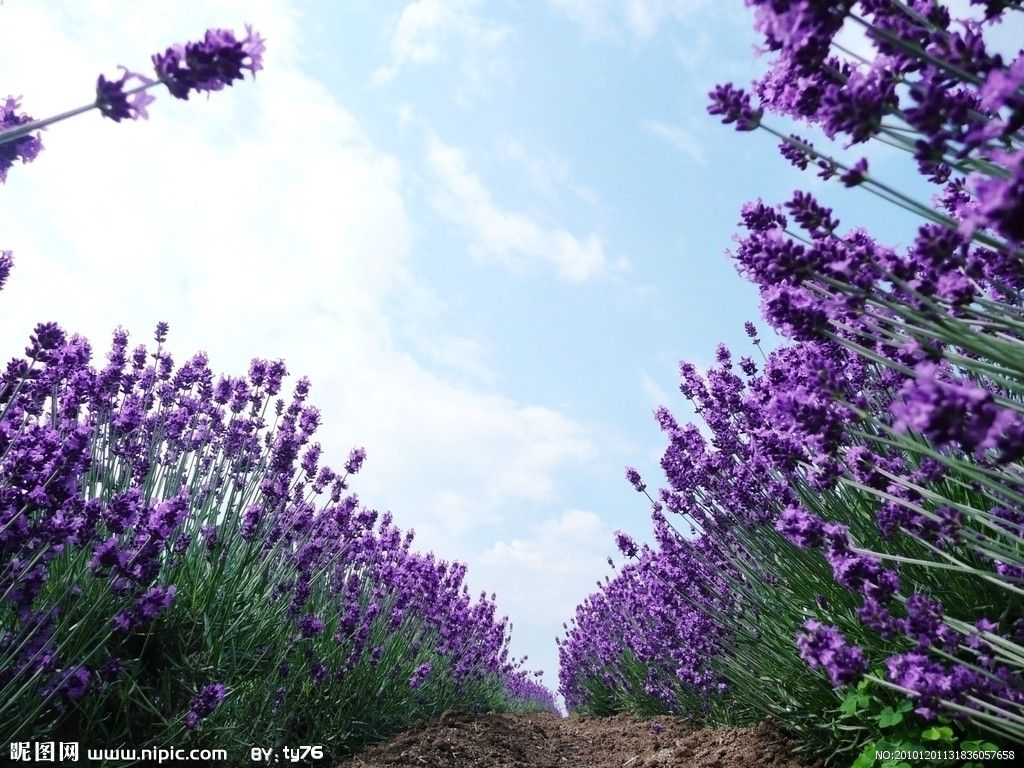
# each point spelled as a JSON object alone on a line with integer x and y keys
{"x": 459, "y": 740}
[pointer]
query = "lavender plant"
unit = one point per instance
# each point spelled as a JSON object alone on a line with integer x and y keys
{"x": 861, "y": 493}
{"x": 178, "y": 564}
{"x": 176, "y": 559}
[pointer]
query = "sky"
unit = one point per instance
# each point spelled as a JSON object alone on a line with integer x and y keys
{"x": 487, "y": 231}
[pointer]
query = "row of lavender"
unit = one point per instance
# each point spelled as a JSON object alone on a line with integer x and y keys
{"x": 841, "y": 544}
{"x": 177, "y": 564}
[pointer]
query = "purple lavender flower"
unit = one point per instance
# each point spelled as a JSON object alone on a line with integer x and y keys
{"x": 825, "y": 647}
{"x": 166, "y": 517}
{"x": 204, "y": 703}
{"x": 758, "y": 217}
{"x": 70, "y": 684}
{"x": 856, "y": 107}
{"x": 155, "y": 601}
{"x": 210, "y": 64}
{"x": 876, "y": 617}
{"x": 211, "y": 536}
{"x": 251, "y": 521}
{"x": 24, "y": 148}
{"x": 952, "y": 413}
{"x": 855, "y": 174}
{"x": 355, "y": 460}
{"x": 420, "y": 675}
{"x": 927, "y": 678}
{"x": 113, "y": 102}
{"x": 45, "y": 338}
{"x": 122, "y": 622}
{"x": 1002, "y": 86}
{"x": 627, "y": 546}
{"x": 106, "y": 555}
{"x": 635, "y": 480}
{"x": 797, "y": 151}
{"x": 6, "y": 264}
{"x": 311, "y": 625}
{"x": 794, "y": 311}
{"x": 802, "y": 528}
{"x": 802, "y": 30}
{"x": 734, "y": 106}
{"x": 318, "y": 672}
{"x": 815, "y": 218}
{"x": 123, "y": 510}
{"x": 1000, "y": 201}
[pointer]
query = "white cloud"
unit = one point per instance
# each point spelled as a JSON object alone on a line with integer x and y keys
{"x": 554, "y": 567}
{"x": 263, "y": 222}
{"x": 642, "y": 19}
{"x": 511, "y": 238}
{"x": 429, "y": 30}
{"x": 592, "y": 15}
{"x": 542, "y": 575}
{"x": 546, "y": 172}
{"x": 678, "y": 137}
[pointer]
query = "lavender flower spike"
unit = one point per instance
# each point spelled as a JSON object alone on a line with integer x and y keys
{"x": 203, "y": 704}
{"x": 734, "y": 106}
{"x": 420, "y": 675}
{"x": 24, "y": 148}
{"x": 824, "y": 646}
{"x": 627, "y": 546}
{"x": 113, "y": 102}
{"x": 209, "y": 64}
{"x": 6, "y": 263}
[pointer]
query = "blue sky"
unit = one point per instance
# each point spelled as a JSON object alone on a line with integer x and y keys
{"x": 488, "y": 232}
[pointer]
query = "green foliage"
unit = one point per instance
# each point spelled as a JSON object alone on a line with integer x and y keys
{"x": 889, "y": 735}
{"x": 627, "y": 694}
{"x": 224, "y": 626}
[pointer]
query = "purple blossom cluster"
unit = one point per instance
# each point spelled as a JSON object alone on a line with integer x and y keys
{"x": 658, "y": 612}
{"x": 24, "y": 148}
{"x": 957, "y": 413}
{"x": 825, "y": 647}
{"x": 776, "y": 438}
{"x": 210, "y": 64}
{"x": 421, "y": 673}
{"x": 114, "y": 102}
{"x": 935, "y": 90}
{"x": 205, "y": 702}
{"x": 137, "y": 470}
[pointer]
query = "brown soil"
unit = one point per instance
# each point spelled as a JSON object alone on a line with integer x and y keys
{"x": 458, "y": 740}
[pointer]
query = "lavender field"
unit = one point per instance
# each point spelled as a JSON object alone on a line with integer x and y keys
{"x": 835, "y": 545}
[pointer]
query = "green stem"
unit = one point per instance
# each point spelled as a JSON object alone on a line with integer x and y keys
{"x": 24, "y": 130}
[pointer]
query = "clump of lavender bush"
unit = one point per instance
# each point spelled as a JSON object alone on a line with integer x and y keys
{"x": 176, "y": 559}
{"x": 177, "y": 563}
{"x": 859, "y": 493}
